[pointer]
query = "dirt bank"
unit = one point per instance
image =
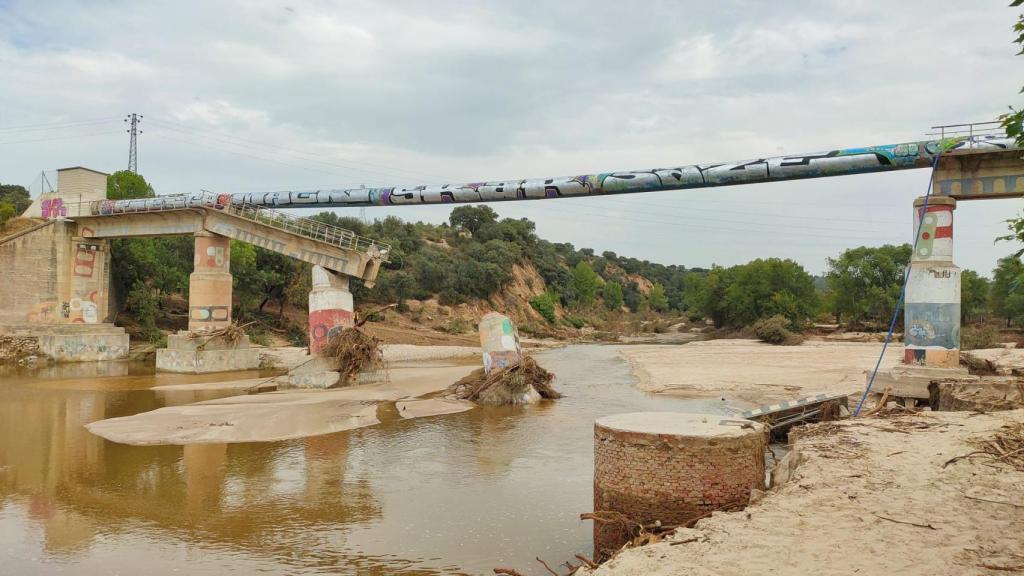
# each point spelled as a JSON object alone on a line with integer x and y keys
{"x": 872, "y": 497}
{"x": 756, "y": 372}
{"x": 287, "y": 414}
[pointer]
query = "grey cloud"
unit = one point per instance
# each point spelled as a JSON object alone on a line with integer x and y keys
{"x": 497, "y": 89}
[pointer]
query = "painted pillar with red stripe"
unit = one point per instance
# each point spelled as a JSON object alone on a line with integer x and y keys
{"x": 932, "y": 311}
{"x": 330, "y": 307}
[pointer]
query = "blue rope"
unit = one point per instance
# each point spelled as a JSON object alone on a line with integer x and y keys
{"x": 903, "y": 289}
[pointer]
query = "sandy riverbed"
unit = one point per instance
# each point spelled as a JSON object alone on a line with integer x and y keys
{"x": 287, "y": 414}
{"x": 866, "y": 499}
{"x": 756, "y": 372}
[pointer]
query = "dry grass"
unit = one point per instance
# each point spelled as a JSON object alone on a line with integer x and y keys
{"x": 505, "y": 386}
{"x": 15, "y": 225}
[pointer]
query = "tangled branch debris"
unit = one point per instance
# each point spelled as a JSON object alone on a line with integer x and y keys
{"x": 355, "y": 351}
{"x": 512, "y": 385}
{"x": 1005, "y": 446}
{"x": 231, "y": 333}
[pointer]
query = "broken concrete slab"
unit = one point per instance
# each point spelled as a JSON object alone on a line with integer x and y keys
{"x": 987, "y": 394}
{"x": 909, "y": 381}
{"x": 1002, "y": 361}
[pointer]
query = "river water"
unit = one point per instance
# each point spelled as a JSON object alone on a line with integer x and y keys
{"x": 454, "y": 494}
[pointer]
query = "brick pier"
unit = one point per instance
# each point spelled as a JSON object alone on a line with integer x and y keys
{"x": 671, "y": 467}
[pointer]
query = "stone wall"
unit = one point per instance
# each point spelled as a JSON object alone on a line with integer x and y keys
{"x": 54, "y": 277}
{"x": 651, "y": 473}
{"x": 33, "y": 291}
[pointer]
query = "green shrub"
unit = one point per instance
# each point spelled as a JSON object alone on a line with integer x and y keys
{"x": 298, "y": 336}
{"x": 143, "y": 305}
{"x": 977, "y": 337}
{"x": 575, "y": 322}
{"x": 455, "y": 326}
{"x": 259, "y": 337}
{"x": 545, "y": 306}
{"x": 775, "y": 330}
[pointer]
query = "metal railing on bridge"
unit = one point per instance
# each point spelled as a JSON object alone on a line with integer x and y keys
{"x": 973, "y": 131}
{"x": 308, "y": 228}
{"x": 305, "y": 227}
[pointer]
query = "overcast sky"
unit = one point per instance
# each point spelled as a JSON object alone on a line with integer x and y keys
{"x": 264, "y": 96}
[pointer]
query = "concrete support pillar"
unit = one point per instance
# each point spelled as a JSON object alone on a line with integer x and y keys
{"x": 330, "y": 307}
{"x": 932, "y": 309}
{"x": 87, "y": 303}
{"x": 499, "y": 342}
{"x": 209, "y": 285}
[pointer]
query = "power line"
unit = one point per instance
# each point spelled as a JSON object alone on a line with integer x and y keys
{"x": 308, "y": 163}
{"x": 237, "y": 153}
{"x": 61, "y": 137}
{"x": 324, "y": 159}
{"x": 54, "y": 125}
{"x": 133, "y": 149}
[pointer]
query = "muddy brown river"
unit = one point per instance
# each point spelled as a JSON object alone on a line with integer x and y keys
{"x": 453, "y": 494}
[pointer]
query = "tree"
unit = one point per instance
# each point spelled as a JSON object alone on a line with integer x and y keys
{"x": 1006, "y": 295}
{"x": 585, "y": 283}
{"x": 656, "y": 298}
{"x": 864, "y": 283}
{"x": 974, "y": 291}
{"x": 632, "y": 297}
{"x": 16, "y": 196}
{"x": 544, "y": 304}
{"x": 1013, "y": 121}
{"x": 612, "y": 294}
{"x": 124, "y": 184}
{"x": 6, "y": 212}
{"x": 471, "y": 218}
{"x": 744, "y": 294}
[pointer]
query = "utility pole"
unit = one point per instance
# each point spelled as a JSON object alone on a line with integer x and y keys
{"x": 133, "y": 149}
{"x": 44, "y": 181}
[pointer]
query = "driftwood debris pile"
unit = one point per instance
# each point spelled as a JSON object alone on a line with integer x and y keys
{"x": 356, "y": 351}
{"x": 230, "y": 334}
{"x": 517, "y": 384}
{"x": 18, "y": 349}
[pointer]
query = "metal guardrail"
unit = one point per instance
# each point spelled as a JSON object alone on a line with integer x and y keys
{"x": 305, "y": 227}
{"x": 980, "y": 130}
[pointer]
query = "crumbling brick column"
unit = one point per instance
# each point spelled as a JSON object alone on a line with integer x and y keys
{"x": 671, "y": 467}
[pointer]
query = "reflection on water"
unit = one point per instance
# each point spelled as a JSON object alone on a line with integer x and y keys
{"x": 454, "y": 494}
